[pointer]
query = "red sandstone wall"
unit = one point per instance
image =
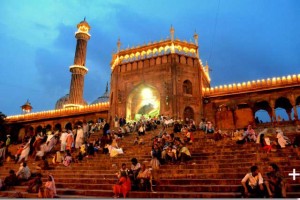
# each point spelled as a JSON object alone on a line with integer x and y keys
{"x": 243, "y": 117}
{"x": 224, "y": 120}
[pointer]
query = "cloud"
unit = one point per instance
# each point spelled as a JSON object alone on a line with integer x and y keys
{"x": 242, "y": 40}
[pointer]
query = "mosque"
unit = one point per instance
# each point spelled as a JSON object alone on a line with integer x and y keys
{"x": 168, "y": 78}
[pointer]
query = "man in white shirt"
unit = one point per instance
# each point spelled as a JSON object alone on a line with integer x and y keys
{"x": 63, "y": 140}
{"x": 23, "y": 172}
{"x": 253, "y": 183}
{"x": 79, "y": 138}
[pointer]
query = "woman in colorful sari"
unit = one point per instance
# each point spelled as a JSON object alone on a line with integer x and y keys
{"x": 49, "y": 189}
{"x": 123, "y": 186}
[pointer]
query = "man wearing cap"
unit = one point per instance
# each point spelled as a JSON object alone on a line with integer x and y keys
{"x": 7, "y": 143}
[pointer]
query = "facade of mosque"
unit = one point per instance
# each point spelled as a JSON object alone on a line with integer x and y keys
{"x": 165, "y": 78}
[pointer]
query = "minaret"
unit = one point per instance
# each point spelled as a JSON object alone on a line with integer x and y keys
{"x": 78, "y": 69}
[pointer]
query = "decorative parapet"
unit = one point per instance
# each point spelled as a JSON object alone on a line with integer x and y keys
{"x": 250, "y": 86}
{"x": 58, "y": 112}
{"x": 154, "y": 49}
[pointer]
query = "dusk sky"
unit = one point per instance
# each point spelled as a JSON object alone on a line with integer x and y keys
{"x": 242, "y": 40}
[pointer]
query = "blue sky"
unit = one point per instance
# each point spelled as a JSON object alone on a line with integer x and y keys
{"x": 241, "y": 40}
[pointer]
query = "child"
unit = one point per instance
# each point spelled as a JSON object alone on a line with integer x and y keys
{"x": 136, "y": 141}
{"x": 79, "y": 157}
{"x": 67, "y": 159}
{"x": 141, "y": 141}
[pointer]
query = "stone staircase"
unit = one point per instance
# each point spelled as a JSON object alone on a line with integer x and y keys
{"x": 215, "y": 171}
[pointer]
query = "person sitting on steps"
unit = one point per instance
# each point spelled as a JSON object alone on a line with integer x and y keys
{"x": 144, "y": 178}
{"x": 275, "y": 183}
{"x": 253, "y": 183}
{"x": 35, "y": 184}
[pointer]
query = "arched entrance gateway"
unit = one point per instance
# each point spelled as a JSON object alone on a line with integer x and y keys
{"x": 143, "y": 100}
{"x": 188, "y": 113}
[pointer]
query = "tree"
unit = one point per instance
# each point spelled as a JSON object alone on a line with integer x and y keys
{"x": 2, "y": 126}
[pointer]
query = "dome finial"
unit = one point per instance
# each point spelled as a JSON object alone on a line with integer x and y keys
{"x": 106, "y": 87}
{"x": 172, "y": 30}
{"x": 196, "y": 38}
{"x": 119, "y": 44}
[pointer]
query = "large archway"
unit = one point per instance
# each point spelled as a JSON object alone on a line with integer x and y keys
{"x": 283, "y": 109}
{"x": 144, "y": 100}
{"x": 188, "y": 113}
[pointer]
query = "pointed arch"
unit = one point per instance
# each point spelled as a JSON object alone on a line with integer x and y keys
{"x": 144, "y": 99}
{"x": 187, "y": 87}
{"x": 188, "y": 113}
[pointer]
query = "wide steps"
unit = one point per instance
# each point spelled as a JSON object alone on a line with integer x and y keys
{"x": 215, "y": 171}
{"x": 69, "y": 192}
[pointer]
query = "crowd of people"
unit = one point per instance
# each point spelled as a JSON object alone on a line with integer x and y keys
{"x": 268, "y": 141}
{"x": 169, "y": 146}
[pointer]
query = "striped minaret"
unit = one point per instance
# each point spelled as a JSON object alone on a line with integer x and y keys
{"x": 78, "y": 69}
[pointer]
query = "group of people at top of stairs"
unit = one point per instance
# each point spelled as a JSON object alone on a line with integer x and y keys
{"x": 273, "y": 185}
{"x": 264, "y": 138}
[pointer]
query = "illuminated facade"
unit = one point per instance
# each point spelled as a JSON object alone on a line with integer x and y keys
{"x": 162, "y": 77}
{"x": 234, "y": 105}
{"x": 165, "y": 78}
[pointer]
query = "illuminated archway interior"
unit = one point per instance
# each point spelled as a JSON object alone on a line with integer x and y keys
{"x": 144, "y": 101}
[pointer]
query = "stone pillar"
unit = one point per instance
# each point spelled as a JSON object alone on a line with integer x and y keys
{"x": 293, "y": 102}
{"x": 273, "y": 113}
{"x": 295, "y": 112}
{"x": 233, "y": 108}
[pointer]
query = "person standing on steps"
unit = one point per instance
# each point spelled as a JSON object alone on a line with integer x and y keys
{"x": 134, "y": 171}
{"x": 69, "y": 141}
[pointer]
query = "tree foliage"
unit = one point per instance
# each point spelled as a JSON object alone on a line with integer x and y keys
{"x": 2, "y": 126}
